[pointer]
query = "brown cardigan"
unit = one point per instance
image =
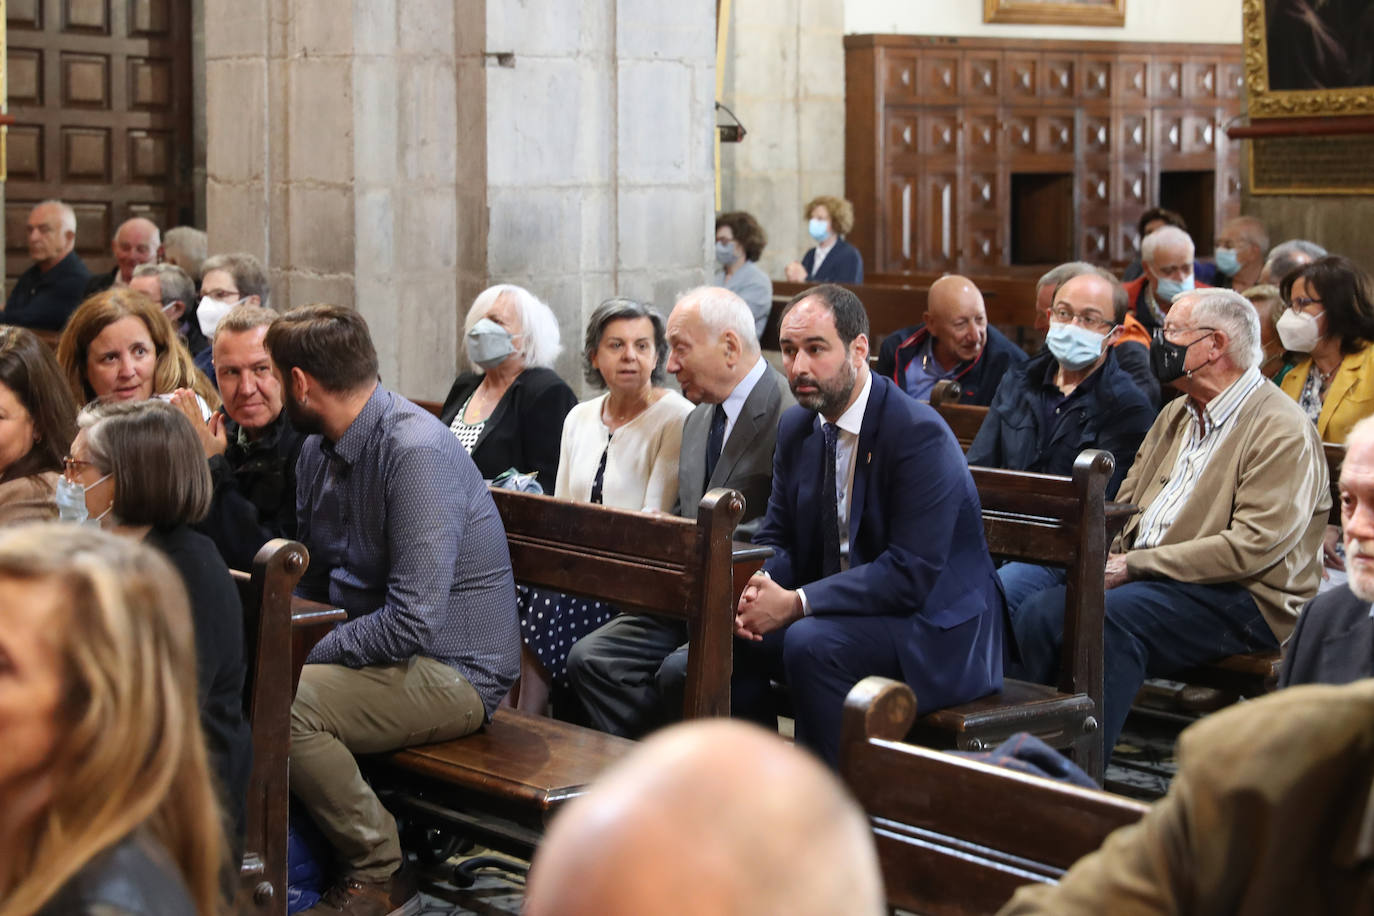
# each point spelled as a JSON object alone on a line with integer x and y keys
{"x": 29, "y": 499}
{"x": 1257, "y": 514}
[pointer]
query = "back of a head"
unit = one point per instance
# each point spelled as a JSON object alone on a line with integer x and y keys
{"x": 186, "y": 247}
{"x": 710, "y": 817}
{"x": 155, "y": 457}
{"x": 330, "y": 343}
{"x": 721, "y": 311}
{"x": 130, "y": 742}
{"x": 1286, "y": 257}
{"x": 29, "y": 369}
{"x": 250, "y": 279}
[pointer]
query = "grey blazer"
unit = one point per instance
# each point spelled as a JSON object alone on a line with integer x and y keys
{"x": 746, "y": 461}
{"x": 1333, "y": 642}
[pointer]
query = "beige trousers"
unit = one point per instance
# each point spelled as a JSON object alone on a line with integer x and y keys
{"x": 341, "y": 711}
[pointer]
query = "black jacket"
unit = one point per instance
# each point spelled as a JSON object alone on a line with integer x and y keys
{"x": 46, "y": 300}
{"x": 1107, "y": 411}
{"x": 1333, "y": 642}
{"x": 254, "y": 492}
{"x": 135, "y": 876}
{"x": 978, "y": 379}
{"x": 98, "y": 283}
{"x": 526, "y": 428}
{"x": 843, "y": 264}
{"x": 217, "y": 617}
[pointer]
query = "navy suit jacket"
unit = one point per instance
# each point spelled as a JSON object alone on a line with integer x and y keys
{"x": 916, "y": 542}
{"x": 843, "y": 264}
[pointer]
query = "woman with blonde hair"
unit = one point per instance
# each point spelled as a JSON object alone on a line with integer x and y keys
{"x": 106, "y": 801}
{"x": 120, "y": 346}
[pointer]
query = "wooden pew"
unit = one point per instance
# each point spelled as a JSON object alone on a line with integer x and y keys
{"x": 964, "y": 419}
{"x": 505, "y": 782}
{"x": 272, "y": 619}
{"x": 1052, "y": 521}
{"x": 955, "y": 836}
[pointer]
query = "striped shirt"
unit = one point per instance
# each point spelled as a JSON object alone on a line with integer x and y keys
{"x": 1205, "y": 435}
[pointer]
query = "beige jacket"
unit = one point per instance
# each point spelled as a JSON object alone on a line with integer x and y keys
{"x": 29, "y": 499}
{"x": 1257, "y": 514}
{"x": 1271, "y": 814}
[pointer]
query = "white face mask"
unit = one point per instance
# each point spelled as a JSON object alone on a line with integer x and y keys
{"x": 1298, "y": 331}
{"x": 211, "y": 312}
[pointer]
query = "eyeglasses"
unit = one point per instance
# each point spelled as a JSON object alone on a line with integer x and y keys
{"x": 1090, "y": 322}
{"x": 1302, "y": 302}
{"x": 1171, "y": 330}
{"x": 72, "y": 466}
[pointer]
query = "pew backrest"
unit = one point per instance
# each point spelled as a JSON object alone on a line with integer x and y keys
{"x": 956, "y": 836}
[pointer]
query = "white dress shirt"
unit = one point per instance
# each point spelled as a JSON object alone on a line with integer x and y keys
{"x": 734, "y": 404}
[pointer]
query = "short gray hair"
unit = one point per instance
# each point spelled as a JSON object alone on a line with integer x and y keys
{"x": 1286, "y": 257}
{"x": 66, "y": 212}
{"x": 540, "y": 339}
{"x": 172, "y": 283}
{"x": 1058, "y": 276}
{"x": 614, "y": 310}
{"x": 242, "y": 318}
{"x": 1228, "y": 311}
{"x": 188, "y": 243}
{"x": 721, "y": 311}
{"x": 1164, "y": 235}
{"x": 247, "y": 271}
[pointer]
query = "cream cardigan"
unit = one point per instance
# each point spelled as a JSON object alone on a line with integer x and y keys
{"x": 1257, "y": 514}
{"x": 641, "y": 467}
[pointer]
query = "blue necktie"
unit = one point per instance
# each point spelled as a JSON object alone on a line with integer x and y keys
{"x": 830, "y": 510}
{"x": 715, "y": 441}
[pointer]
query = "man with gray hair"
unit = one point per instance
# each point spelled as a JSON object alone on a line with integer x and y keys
{"x": 170, "y": 287}
{"x": 137, "y": 241}
{"x": 619, "y": 671}
{"x": 1166, "y": 256}
{"x": 1233, "y": 493}
{"x": 715, "y": 818}
{"x": 1287, "y": 257}
{"x": 48, "y": 292}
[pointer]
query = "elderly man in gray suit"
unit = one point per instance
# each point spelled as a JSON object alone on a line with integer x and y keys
{"x": 619, "y": 671}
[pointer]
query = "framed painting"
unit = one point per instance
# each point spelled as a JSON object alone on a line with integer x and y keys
{"x": 1056, "y": 12}
{"x": 1308, "y": 58}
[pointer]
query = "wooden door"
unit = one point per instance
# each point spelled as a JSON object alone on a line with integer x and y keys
{"x": 100, "y": 93}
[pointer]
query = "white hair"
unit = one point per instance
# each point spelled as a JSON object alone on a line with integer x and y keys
{"x": 540, "y": 339}
{"x": 67, "y": 213}
{"x": 1288, "y": 256}
{"x": 1228, "y": 311}
{"x": 721, "y": 311}
{"x": 1165, "y": 235}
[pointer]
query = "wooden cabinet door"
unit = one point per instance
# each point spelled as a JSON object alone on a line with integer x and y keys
{"x": 100, "y": 91}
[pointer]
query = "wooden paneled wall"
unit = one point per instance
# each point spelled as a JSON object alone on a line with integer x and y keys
{"x": 940, "y": 133}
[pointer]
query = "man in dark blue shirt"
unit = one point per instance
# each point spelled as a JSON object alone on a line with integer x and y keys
{"x": 403, "y": 534}
{"x": 49, "y": 291}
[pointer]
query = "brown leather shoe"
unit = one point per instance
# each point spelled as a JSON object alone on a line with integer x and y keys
{"x": 396, "y": 896}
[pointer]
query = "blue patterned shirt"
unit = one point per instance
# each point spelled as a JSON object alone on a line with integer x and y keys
{"x": 403, "y": 534}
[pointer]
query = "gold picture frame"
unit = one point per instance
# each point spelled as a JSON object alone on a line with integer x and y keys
{"x": 1301, "y": 94}
{"x": 1056, "y": 12}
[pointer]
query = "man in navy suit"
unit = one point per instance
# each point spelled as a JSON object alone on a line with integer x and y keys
{"x": 879, "y": 565}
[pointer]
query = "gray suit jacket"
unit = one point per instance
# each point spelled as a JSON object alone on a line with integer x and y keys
{"x": 1333, "y": 642}
{"x": 746, "y": 461}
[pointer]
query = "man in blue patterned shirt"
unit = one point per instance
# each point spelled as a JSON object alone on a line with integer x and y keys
{"x": 403, "y": 534}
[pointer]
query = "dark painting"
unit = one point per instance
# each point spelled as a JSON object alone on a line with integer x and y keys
{"x": 1319, "y": 44}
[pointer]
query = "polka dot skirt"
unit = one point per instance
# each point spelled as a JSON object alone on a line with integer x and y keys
{"x": 551, "y": 622}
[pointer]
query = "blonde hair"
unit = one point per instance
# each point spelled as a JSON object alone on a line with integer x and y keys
{"x": 174, "y": 368}
{"x": 129, "y": 753}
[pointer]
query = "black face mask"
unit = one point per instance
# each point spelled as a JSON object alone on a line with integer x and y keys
{"x": 1166, "y": 359}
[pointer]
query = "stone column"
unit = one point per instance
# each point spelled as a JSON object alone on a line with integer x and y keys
{"x": 400, "y": 155}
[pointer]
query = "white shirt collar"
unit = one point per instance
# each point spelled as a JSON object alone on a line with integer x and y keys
{"x": 852, "y": 420}
{"x": 735, "y": 402}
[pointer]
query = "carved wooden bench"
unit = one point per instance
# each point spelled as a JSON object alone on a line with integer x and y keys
{"x": 956, "y": 836}
{"x": 504, "y": 783}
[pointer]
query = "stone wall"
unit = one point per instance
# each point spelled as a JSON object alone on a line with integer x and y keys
{"x": 400, "y": 155}
{"x": 784, "y": 78}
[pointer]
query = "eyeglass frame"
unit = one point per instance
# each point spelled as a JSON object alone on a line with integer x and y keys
{"x": 1303, "y": 303}
{"x": 1081, "y": 320}
{"x": 71, "y": 466}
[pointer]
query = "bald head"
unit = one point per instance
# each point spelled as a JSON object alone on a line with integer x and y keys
{"x": 710, "y": 817}
{"x": 136, "y": 242}
{"x": 956, "y": 319}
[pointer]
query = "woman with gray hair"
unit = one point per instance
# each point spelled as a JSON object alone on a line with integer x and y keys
{"x": 508, "y": 411}
{"x": 137, "y": 469}
{"x": 620, "y": 449}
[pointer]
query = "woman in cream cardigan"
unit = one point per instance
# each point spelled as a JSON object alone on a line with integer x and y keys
{"x": 620, "y": 449}
{"x": 37, "y": 423}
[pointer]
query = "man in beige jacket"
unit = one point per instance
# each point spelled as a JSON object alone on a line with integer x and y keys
{"x": 1233, "y": 493}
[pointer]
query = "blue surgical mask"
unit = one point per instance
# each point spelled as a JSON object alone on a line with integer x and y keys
{"x": 1075, "y": 348}
{"x": 71, "y": 502}
{"x": 725, "y": 253}
{"x": 819, "y": 228}
{"x": 1227, "y": 262}
{"x": 1167, "y": 288}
